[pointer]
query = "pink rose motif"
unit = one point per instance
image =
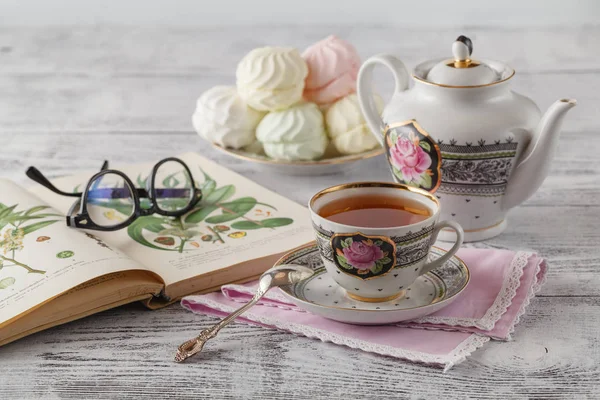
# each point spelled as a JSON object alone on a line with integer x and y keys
{"x": 410, "y": 159}
{"x": 363, "y": 254}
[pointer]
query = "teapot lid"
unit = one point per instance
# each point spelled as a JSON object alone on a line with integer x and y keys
{"x": 461, "y": 70}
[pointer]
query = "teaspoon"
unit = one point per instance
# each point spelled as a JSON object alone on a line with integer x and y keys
{"x": 278, "y": 276}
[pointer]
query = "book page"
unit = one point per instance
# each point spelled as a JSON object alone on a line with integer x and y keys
{"x": 237, "y": 220}
{"x": 40, "y": 257}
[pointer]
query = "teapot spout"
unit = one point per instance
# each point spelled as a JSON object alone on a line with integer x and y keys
{"x": 534, "y": 164}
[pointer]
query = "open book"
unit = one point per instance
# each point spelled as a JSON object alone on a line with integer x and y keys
{"x": 51, "y": 274}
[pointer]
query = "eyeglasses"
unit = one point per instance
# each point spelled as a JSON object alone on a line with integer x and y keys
{"x": 111, "y": 202}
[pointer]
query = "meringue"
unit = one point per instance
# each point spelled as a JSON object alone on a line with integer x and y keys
{"x": 223, "y": 118}
{"x": 333, "y": 66}
{"x": 347, "y": 127}
{"x": 271, "y": 78}
{"x": 297, "y": 133}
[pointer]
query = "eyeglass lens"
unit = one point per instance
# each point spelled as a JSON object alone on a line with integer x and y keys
{"x": 110, "y": 200}
{"x": 173, "y": 186}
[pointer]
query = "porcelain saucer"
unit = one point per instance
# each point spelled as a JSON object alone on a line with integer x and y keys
{"x": 321, "y": 295}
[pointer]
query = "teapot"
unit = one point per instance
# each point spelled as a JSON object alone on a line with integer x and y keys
{"x": 461, "y": 132}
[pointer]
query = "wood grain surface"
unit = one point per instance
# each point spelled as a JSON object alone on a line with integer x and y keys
{"x": 72, "y": 97}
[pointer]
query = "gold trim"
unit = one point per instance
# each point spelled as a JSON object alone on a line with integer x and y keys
{"x": 375, "y": 299}
{"x": 464, "y": 64}
{"x": 468, "y": 63}
{"x": 328, "y": 161}
{"x": 314, "y": 244}
{"x": 423, "y": 132}
{"x": 476, "y": 230}
{"x": 383, "y": 238}
{"x": 462, "y": 87}
{"x": 392, "y": 185}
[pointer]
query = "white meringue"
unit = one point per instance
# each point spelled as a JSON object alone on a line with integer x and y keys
{"x": 297, "y": 133}
{"x": 223, "y": 118}
{"x": 347, "y": 127}
{"x": 333, "y": 66}
{"x": 271, "y": 78}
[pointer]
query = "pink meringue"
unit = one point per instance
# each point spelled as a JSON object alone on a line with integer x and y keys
{"x": 333, "y": 66}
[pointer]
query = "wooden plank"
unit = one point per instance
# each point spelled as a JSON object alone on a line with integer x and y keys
{"x": 124, "y": 51}
{"x": 126, "y": 353}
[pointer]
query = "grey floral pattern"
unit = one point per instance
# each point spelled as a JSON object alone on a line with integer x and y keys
{"x": 325, "y": 248}
{"x": 453, "y": 272}
{"x": 486, "y": 172}
{"x": 477, "y": 169}
{"x": 406, "y": 256}
{"x": 307, "y": 257}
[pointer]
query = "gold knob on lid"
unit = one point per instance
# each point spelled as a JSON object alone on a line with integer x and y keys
{"x": 462, "y": 49}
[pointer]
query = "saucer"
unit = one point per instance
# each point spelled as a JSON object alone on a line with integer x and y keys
{"x": 321, "y": 295}
{"x": 324, "y": 166}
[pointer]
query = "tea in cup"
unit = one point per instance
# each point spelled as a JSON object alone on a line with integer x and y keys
{"x": 375, "y": 237}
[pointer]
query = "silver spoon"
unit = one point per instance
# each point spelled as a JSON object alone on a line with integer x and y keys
{"x": 278, "y": 276}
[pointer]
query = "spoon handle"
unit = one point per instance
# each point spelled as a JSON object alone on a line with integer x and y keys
{"x": 228, "y": 319}
{"x": 195, "y": 345}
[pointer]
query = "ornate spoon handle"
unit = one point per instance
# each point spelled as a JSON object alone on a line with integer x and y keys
{"x": 195, "y": 345}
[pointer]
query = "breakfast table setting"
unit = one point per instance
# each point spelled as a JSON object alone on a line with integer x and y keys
{"x": 454, "y": 202}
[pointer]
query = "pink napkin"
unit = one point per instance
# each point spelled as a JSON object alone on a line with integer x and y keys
{"x": 502, "y": 285}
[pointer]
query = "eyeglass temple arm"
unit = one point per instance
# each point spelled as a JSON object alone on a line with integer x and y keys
{"x": 34, "y": 174}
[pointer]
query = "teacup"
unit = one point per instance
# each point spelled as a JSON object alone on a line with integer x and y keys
{"x": 376, "y": 264}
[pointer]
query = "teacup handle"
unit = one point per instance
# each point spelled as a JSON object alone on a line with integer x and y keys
{"x": 459, "y": 240}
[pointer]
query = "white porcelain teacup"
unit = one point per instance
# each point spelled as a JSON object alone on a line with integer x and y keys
{"x": 378, "y": 263}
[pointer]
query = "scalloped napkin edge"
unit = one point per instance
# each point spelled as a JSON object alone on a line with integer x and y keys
{"x": 502, "y": 281}
{"x": 523, "y": 279}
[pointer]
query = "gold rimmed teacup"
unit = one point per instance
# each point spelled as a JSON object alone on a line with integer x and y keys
{"x": 399, "y": 253}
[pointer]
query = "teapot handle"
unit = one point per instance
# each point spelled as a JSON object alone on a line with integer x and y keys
{"x": 365, "y": 95}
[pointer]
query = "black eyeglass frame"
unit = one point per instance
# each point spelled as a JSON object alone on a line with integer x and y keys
{"x": 83, "y": 220}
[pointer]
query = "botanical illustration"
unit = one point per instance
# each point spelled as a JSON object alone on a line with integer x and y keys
{"x": 363, "y": 256}
{"x": 218, "y": 218}
{"x": 65, "y": 254}
{"x": 414, "y": 158}
{"x": 14, "y": 226}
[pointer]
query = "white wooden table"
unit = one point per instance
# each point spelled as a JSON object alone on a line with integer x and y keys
{"x": 72, "y": 97}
